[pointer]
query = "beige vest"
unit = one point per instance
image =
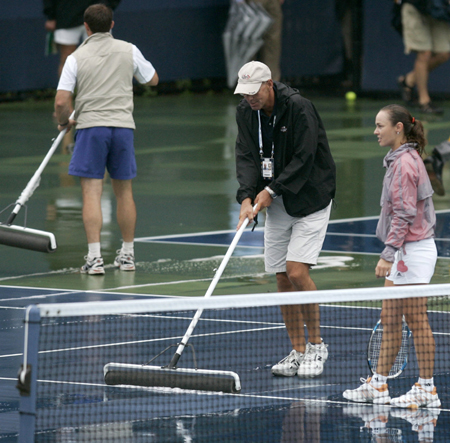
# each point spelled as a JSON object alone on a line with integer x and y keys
{"x": 104, "y": 82}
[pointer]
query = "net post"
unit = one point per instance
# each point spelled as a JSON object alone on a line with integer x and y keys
{"x": 27, "y": 376}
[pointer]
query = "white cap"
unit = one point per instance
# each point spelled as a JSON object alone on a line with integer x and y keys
{"x": 251, "y": 76}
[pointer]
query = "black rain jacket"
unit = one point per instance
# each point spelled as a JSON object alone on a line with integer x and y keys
{"x": 305, "y": 173}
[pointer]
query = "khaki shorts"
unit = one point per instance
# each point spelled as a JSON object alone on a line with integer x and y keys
{"x": 419, "y": 259}
{"x": 424, "y": 33}
{"x": 70, "y": 36}
{"x": 297, "y": 239}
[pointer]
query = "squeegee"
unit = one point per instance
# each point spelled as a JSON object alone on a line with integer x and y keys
{"x": 171, "y": 376}
{"x": 21, "y": 236}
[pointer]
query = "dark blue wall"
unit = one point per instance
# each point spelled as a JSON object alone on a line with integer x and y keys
{"x": 383, "y": 54}
{"x": 182, "y": 38}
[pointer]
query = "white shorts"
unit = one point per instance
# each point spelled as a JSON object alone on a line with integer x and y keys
{"x": 297, "y": 239}
{"x": 70, "y": 36}
{"x": 419, "y": 259}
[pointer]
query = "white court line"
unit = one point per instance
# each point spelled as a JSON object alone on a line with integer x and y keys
{"x": 153, "y": 340}
{"x": 178, "y": 391}
{"x": 210, "y": 334}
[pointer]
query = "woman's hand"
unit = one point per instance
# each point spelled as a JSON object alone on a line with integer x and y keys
{"x": 383, "y": 268}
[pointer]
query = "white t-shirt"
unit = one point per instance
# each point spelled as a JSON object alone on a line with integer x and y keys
{"x": 143, "y": 71}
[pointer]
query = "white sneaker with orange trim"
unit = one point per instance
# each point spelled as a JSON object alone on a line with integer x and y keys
{"x": 417, "y": 398}
{"x": 366, "y": 393}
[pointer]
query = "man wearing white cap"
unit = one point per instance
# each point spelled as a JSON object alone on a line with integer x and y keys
{"x": 284, "y": 164}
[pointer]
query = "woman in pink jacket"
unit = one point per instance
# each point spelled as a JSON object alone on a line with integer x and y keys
{"x": 406, "y": 227}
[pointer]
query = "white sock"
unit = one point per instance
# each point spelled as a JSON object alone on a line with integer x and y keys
{"x": 427, "y": 383}
{"x": 378, "y": 380}
{"x": 127, "y": 248}
{"x": 94, "y": 250}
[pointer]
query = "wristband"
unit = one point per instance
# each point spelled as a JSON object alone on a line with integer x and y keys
{"x": 63, "y": 124}
{"x": 271, "y": 192}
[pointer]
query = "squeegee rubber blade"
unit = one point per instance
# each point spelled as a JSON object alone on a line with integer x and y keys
{"x": 24, "y": 240}
{"x": 171, "y": 378}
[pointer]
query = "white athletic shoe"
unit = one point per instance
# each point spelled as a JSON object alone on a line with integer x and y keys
{"x": 288, "y": 367}
{"x": 125, "y": 262}
{"x": 93, "y": 267}
{"x": 313, "y": 360}
{"x": 423, "y": 421}
{"x": 417, "y": 398}
{"x": 366, "y": 393}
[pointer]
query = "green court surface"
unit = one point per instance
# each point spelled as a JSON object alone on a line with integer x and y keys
{"x": 186, "y": 184}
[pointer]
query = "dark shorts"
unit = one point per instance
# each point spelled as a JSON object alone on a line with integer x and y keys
{"x": 100, "y": 148}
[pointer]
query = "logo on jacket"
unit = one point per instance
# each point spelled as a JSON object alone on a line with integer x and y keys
{"x": 283, "y": 129}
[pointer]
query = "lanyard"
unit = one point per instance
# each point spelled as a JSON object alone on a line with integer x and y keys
{"x": 261, "y": 152}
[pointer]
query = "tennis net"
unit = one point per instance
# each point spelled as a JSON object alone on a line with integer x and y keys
{"x": 89, "y": 372}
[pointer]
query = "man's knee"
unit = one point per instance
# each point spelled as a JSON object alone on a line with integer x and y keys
{"x": 423, "y": 56}
{"x": 298, "y": 274}
{"x": 283, "y": 282}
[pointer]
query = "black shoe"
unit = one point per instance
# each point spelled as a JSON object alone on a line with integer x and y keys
{"x": 430, "y": 109}
{"x": 407, "y": 92}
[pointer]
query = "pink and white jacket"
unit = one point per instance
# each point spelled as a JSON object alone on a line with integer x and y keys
{"x": 407, "y": 210}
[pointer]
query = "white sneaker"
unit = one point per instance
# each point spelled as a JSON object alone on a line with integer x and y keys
{"x": 93, "y": 267}
{"x": 416, "y": 398}
{"x": 366, "y": 393}
{"x": 125, "y": 262}
{"x": 288, "y": 367}
{"x": 313, "y": 360}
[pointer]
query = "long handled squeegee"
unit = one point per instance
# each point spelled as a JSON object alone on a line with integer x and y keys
{"x": 171, "y": 376}
{"x": 21, "y": 236}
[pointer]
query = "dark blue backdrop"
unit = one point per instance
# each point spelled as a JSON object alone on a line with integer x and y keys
{"x": 183, "y": 39}
{"x": 383, "y": 54}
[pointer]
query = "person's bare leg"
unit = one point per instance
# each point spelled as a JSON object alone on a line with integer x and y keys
{"x": 126, "y": 208}
{"x": 292, "y": 315}
{"x": 416, "y": 316}
{"x": 297, "y": 278}
{"x": 64, "y": 52}
{"x": 421, "y": 74}
{"x": 92, "y": 211}
{"x": 391, "y": 319}
{"x": 298, "y": 274}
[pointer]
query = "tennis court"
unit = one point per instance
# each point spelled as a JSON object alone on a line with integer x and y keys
{"x": 186, "y": 218}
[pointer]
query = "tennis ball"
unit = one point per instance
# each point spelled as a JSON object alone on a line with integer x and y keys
{"x": 350, "y": 96}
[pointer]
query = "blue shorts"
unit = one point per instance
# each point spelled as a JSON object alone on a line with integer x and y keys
{"x": 103, "y": 147}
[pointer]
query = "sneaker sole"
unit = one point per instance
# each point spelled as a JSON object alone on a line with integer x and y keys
{"x": 125, "y": 267}
{"x": 309, "y": 375}
{"x": 91, "y": 272}
{"x": 278, "y": 374}
{"x": 384, "y": 401}
{"x": 413, "y": 406}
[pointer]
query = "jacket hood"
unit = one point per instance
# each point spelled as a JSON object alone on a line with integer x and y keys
{"x": 283, "y": 94}
{"x": 392, "y": 155}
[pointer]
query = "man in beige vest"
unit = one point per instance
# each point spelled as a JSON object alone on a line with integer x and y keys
{"x": 102, "y": 70}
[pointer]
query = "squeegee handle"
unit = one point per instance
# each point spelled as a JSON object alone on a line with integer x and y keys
{"x": 34, "y": 181}
{"x": 210, "y": 290}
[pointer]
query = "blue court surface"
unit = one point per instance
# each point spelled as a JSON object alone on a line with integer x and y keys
{"x": 77, "y": 405}
{"x": 350, "y": 235}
